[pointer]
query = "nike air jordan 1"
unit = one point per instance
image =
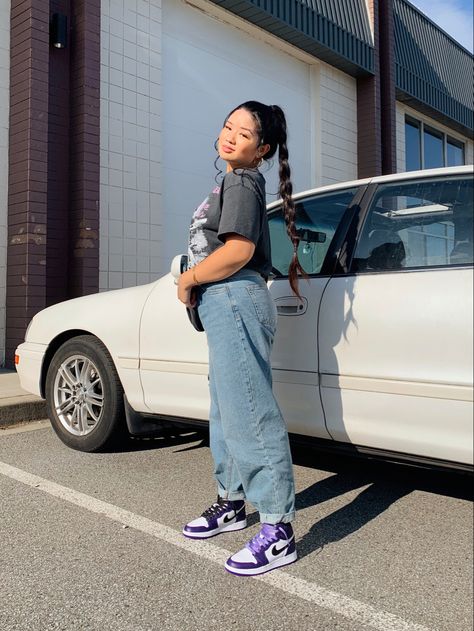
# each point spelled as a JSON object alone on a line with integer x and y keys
{"x": 272, "y": 547}
{"x": 222, "y": 516}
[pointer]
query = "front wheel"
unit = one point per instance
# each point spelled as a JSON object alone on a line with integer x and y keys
{"x": 84, "y": 396}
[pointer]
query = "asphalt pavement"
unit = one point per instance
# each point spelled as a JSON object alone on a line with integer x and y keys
{"x": 93, "y": 542}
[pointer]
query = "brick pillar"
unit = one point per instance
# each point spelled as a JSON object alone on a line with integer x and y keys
{"x": 387, "y": 87}
{"x": 85, "y": 149}
{"x": 369, "y": 132}
{"x": 57, "y": 246}
{"x": 54, "y": 146}
{"x": 28, "y": 151}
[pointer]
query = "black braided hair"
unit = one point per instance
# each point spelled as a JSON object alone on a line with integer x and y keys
{"x": 271, "y": 127}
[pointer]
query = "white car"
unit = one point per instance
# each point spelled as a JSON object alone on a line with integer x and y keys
{"x": 378, "y": 359}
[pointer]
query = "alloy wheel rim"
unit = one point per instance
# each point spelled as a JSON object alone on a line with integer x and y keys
{"x": 78, "y": 395}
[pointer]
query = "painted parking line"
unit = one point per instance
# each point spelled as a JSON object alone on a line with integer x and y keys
{"x": 350, "y": 608}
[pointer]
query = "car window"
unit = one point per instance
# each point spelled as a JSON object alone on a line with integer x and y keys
{"x": 419, "y": 223}
{"x": 316, "y": 221}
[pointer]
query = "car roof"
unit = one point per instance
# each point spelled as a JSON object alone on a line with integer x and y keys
{"x": 392, "y": 177}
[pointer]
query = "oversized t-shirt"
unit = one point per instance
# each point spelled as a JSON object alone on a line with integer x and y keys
{"x": 236, "y": 205}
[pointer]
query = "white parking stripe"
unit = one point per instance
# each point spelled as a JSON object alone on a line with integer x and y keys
{"x": 355, "y": 610}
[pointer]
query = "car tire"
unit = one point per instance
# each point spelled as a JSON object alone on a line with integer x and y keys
{"x": 84, "y": 396}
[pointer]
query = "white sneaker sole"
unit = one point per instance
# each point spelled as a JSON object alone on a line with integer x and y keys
{"x": 286, "y": 560}
{"x": 240, "y": 525}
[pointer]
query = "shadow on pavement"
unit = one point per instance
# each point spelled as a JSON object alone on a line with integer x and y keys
{"x": 168, "y": 437}
{"x": 382, "y": 483}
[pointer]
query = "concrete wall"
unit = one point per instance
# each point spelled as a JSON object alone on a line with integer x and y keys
{"x": 4, "y": 126}
{"x": 130, "y": 163}
{"x": 403, "y": 110}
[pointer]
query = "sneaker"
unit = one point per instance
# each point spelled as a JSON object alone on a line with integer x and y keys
{"x": 222, "y": 516}
{"x": 272, "y": 547}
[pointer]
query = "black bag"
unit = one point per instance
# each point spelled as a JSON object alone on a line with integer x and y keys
{"x": 194, "y": 318}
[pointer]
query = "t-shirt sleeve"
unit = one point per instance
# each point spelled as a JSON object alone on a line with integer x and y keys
{"x": 241, "y": 212}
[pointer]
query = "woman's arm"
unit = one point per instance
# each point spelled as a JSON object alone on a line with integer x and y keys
{"x": 223, "y": 262}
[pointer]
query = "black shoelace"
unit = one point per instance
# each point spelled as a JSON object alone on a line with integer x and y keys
{"x": 217, "y": 508}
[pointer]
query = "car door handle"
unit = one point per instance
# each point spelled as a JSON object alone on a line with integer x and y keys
{"x": 291, "y": 306}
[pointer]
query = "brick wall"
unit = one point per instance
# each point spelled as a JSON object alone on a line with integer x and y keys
{"x": 369, "y": 124}
{"x": 4, "y": 125}
{"x": 85, "y": 152}
{"x": 53, "y": 194}
{"x": 28, "y": 148}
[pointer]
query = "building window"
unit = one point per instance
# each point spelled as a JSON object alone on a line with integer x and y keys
{"x": 413, "y": 145}
{"x": 429, "y": 148}
{"x": 455, "y": 152}
{"x": 432, "y": 148}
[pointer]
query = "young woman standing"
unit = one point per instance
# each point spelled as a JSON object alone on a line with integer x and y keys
{"x": 229, "y": 264}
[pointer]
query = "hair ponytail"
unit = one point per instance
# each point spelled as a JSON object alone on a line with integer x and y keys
{"x": 271, "y": 126}
{"x": 285, "y": 190}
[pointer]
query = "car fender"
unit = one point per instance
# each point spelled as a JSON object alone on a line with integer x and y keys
{"x": 111, "y": 316}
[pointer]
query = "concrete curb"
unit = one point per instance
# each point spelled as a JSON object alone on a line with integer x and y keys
{"x": 18, "y": 405}
{"x": 28, "y": 409}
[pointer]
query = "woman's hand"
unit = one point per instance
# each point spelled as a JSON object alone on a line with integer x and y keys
{"x": 185, "y": 286}
{"x": 223, "y": 262}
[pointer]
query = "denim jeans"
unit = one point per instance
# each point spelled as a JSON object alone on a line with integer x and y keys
{"x": 248, "y": 435}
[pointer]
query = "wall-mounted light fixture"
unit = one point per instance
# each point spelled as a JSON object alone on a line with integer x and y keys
{"x": 58, "y": 30}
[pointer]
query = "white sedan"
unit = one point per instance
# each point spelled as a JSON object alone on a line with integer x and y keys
{"x": 378, "y": 359}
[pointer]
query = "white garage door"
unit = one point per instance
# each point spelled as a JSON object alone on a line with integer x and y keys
{"x": 209, "y": 67}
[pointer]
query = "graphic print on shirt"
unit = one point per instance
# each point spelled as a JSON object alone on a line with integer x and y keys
{"x": 198, "y": 247}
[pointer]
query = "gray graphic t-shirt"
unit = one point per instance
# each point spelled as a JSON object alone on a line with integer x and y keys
{"x": 236, "y": 205}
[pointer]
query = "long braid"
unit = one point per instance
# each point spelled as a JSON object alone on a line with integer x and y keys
{"x": 289, "y": 210}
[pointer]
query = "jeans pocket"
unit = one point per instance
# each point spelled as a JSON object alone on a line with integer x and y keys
{"x": 265, "y": 308}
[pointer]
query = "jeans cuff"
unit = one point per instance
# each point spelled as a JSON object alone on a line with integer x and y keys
{"x": 232, "y": 495}
{"x": 275, "y": 518}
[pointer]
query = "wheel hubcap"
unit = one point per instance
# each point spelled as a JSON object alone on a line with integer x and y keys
{"x": 78, "y": 395}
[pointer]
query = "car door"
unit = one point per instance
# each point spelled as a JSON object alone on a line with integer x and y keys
{"x": 173, "y": 357}
{"x": 320, "y": 218}
{"x": 395, "y": 327}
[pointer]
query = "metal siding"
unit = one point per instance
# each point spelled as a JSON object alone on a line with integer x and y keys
{"x": 335, "y": 29}
{"x": 425, "y": 57}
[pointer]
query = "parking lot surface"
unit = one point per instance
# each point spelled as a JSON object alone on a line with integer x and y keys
{"x": 93, "y": 541}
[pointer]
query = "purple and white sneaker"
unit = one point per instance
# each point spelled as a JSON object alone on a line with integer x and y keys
{"x": 272, "y": 547}
{"x": 222, "y": 516}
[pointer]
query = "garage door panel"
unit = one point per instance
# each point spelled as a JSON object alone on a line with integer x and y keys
{"x": 208, "y": 68}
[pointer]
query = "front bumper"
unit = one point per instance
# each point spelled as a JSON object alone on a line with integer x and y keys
{"x": 29, "y": 366}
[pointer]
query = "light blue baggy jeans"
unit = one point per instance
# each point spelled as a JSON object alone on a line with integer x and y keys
{"x": 248, "y": 435}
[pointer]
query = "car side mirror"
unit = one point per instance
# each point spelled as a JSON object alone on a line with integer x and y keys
{"x": 311, "y": 236}
{"x": 179, "y": 264}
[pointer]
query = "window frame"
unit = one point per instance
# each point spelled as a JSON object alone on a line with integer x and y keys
{"x": 446, "y": 137}
{"x": 360, "y": 220}
{"x": 333, "y": 253}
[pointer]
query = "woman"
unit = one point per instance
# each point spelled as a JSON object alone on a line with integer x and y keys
{"x": 229, "y": 264}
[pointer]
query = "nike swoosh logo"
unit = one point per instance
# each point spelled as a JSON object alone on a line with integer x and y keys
{"x": 227, "y": 519}
{"x": 276, "y": 550}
